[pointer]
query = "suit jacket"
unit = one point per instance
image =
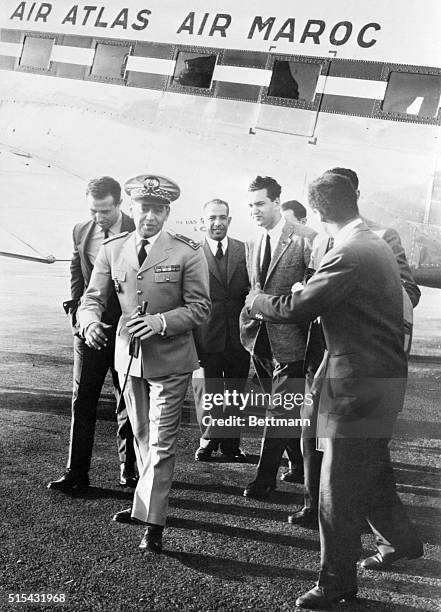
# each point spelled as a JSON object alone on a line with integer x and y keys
{"x": 392, "y": 238}
{"x": 288, "y": 265}
{"x": 81, "y": 270}
{"x": 227, "y": 300}
{"x": 357, "y": 293}
{"x": 173, "y": 280}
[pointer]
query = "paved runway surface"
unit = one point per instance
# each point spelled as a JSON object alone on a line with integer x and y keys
{"x": 223, "y": 552}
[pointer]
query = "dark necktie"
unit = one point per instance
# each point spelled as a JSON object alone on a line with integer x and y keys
{"x": 266, "y": 260}
{"x": 142, "y": 252}
{"x": 219, "y": 252}
{"x": 106, "y": 233}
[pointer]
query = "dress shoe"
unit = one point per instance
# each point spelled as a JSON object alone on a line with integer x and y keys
{"x": 70, "y": 480}
{"x": 125, "y": 516}
{"x": 305, "y": 517}
{"x": 293, "y": 475}
{"x": 381, "y": 562}
{"x": 320, "y": 597}
{"x": 152, "y": 539}
{"x": 203, "y": 454}
{"x": 128, "y": 477}
{"x": 235, "y": 456}
{"x": 258, "y": 490}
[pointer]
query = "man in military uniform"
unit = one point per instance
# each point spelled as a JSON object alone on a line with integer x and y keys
{"x": 168, "y": 274}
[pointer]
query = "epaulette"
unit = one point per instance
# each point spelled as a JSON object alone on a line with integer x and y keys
{"x": 110, "y": 238}
{"x": 188, "y": 241}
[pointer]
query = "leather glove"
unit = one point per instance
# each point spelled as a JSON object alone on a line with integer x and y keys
{"x": 145, "y": 326}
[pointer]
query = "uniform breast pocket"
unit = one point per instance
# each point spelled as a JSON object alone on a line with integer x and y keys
{"x": 167, "y": 277}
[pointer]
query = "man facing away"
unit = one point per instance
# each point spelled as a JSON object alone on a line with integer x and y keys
{"x": 276, "y": 260}
{"x": 161, "y": 280}
{"x": 307, "y": 516}
{"x": 357, "y": 293}
{"x": 103, "y": 197}
{"x": 226, "y": 363}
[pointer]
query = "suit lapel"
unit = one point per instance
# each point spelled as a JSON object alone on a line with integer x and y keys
{"x": 158, "y": 253}
{"x": 282, "y": 245}
{"x": 211, "y": 262}
{"x": 83, "y": 244}
{"x": 130, "y": 253}
{"x": 126, "y": 224}
{"x": 232, "y": 259}
{"x": 255, "y": 255}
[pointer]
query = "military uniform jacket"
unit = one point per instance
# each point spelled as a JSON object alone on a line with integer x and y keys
{"x": 288, "y": 265}
{"x": 173, "y": 280}
{"x": 222, "y": 328}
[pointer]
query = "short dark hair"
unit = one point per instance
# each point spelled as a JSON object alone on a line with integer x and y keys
{"x": 348, "y": 173}
{"x": 334, "y": 197}
{"x": 217, "y": 201}
{"x": 103, "y": 186}
{"x": 273, "y": 189}
{"x": 298, "y": 209}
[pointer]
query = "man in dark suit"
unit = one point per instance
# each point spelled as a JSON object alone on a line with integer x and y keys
{"x": 307, "y": 516}
{"x": 224, "y": 360}
{"x": 276, "y": 259}
{"x": 103, "y": 196}
{"x": 357, "y": 293}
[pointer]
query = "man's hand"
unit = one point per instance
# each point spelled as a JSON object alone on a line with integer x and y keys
{"x": 95, "y": 335}
{"x": 146, "y": 326}
{"x": 297, "y": 287}
{"x": 252, "y": 294}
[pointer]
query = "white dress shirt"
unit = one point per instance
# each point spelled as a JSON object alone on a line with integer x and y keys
{"x": 213, "y": 244}
{"x": 97, "y": 238}
{"x": 147, "y": 247}
{"x": 274, "y": 235}
{"x": 344, "y": 232}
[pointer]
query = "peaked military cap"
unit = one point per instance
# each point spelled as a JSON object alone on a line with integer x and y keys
{"x": 152, "y": 188}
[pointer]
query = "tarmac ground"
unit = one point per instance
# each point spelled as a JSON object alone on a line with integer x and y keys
{"x": 222, "y": 552}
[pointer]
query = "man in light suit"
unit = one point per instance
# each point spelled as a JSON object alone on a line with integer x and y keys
{"x": 307, "y": 516}
{"x": 276, "y": 260}
{"x": 226, "y": 363}
{"x": 357, "y": 293}
{"x": 167, "y": 275}
{"x": 103, "y": 196}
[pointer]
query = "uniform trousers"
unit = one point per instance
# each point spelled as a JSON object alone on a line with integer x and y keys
{"x": 89, "y": 372}
{"x": 154, "y": 407}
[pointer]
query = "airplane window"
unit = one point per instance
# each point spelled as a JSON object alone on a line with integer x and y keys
{"x": 294, "y": 80}
{"x": 194, "y": 69}
{"x": 110, "y": 61}
{"x": 413, "y": 94}
{"x": 36, "y": 52}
